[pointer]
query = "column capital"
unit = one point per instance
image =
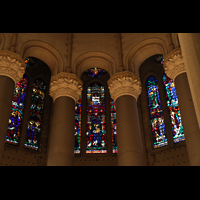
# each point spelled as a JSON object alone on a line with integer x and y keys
{"x": 174, "y": 64}
{"x": 65, "y": 84}
{"x": 12, "y": 65}
{"x": 124, "y": 83}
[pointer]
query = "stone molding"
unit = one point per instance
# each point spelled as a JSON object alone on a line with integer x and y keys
{"x": 12, "y": 65}
{"x": 124, "y": 83}
{"x": 174, "y": 64}
{"x": 65, "y": 84}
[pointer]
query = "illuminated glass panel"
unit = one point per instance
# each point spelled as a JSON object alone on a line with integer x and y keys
{"x": 114, "y": 126}
{"x": 156, "y": 115}
{"x": 160, "y": 59}
{"x": 172, "y": 104}
{"x": 16, "y": 113}
{"x": 95, "y": 72}
{"x": 35, "y": 115}
{"x": 96, "y": 119}
{"x": 29, "y": 62}
{"x": 77, "y": 134}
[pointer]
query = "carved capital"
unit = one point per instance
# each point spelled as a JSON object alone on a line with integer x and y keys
{"x": 12, "y": 65}
{"x": 65, "y": 84}
{"x": 124, "y": 83}
{"x": 174, "y": 64}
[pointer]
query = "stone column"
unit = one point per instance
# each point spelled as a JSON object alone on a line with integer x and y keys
{"x": 190, "y": 46}
{"x": 65, "y": 89}
{"x": 12, "y": 68}
{"x": 124, "y": 88}
{"x": 175, "y": 69}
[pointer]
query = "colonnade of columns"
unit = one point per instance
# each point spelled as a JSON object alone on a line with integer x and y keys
{"x": 125, "y": 87}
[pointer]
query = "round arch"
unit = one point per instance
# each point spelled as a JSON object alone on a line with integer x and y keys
{"x": 44, "y": 52}
{"x": 145, "y": 49}
{"x": 94, "y": 59}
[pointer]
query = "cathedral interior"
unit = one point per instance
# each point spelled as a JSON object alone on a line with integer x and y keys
{"x": 99, "y": 99}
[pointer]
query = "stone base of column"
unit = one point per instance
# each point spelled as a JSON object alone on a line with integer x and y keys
{"x": 60, "y": 159}
{"x": 126, "y": 159}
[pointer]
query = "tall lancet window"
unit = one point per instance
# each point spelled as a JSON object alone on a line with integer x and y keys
{"x": 17, "y": 111}
{"x": 172, "y": 104}
{"x": 156, "y": 115}
{"x": 35, "y": 115}
{"x": 17, "y": 108}
{"x": 114, "y": 126}
{"x": 77, "y": 134}
{"x": 96, "y": 119}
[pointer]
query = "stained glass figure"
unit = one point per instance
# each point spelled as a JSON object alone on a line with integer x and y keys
{"x": 77, "y": 134}
{"x": 35, "y": 115}
{"x": 172, "y": 104}
{"x": 16, "y": 113}
{"x": 95, "y": 72}
{"x": 96, "y": 119}
{"x": 156, "y": 115}
{"x": 114, "y": 126}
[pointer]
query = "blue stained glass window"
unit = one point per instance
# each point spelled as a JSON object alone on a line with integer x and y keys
{"x": 35, "y": 115}
{"x": 17, "y": 110}
{"x": 172, "y": 104}
{"x": 96, "y": 119}
{"x": 114, "y": 126}
{"x": 156, "y": 115}
{"x": 77, "y": 134}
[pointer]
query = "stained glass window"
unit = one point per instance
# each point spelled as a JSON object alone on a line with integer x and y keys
{"x": 156, "y": 115}
{"x": 96, "y": 119}
{"x": 172, "y": 104}
{"x": 17, "y": 109}
{"x": 160, "y": 59}
{"x": 114, "y": 126}
{"x": 29, "y": 62}
{"x": 77, "y": 133}
{"x": 35, "y": 115}
{"x": 95, "y": 72}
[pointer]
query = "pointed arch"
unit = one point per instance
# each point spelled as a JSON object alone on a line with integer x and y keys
{"x": 94, "y": 59}
{"x": 143, "y": 50}
{"x": 44, "y": 52}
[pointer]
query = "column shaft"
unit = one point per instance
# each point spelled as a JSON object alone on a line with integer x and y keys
{"x": 129, "y": 142}
{"x": 61, "y": 147}
{"x": 189, "y": 119}
{"x": 190, "y": 46}
{"x": 6, "y": 95}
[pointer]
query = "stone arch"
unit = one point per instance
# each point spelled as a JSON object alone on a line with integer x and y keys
{"x": 94, "y": 59}
{"x": 145, "y": 49}
{"x": 175, "y": 40}
{"x": 1, "y": 41}
{"x": 44, "y": 52}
